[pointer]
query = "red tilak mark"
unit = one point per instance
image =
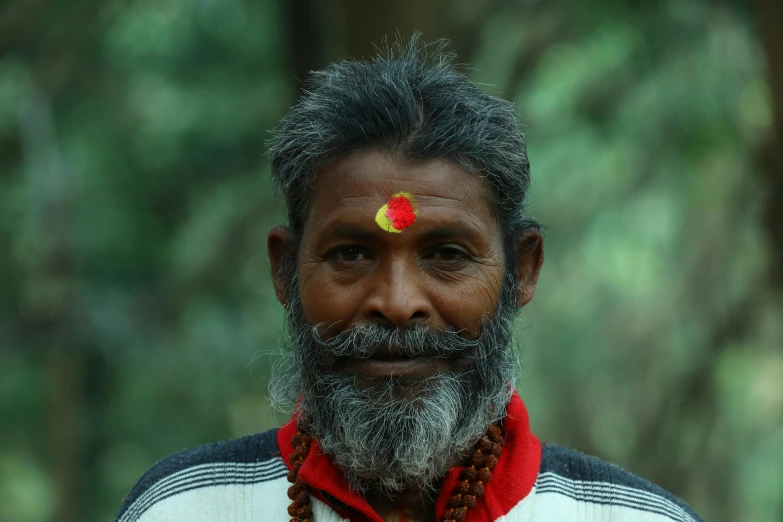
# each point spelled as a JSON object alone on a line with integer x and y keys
{"x": 400, "y": 212}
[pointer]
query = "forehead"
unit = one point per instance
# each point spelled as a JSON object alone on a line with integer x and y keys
{"x": 367, "y": 179}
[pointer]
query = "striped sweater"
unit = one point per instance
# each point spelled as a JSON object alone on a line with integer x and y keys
{"x": 244, "y": 480}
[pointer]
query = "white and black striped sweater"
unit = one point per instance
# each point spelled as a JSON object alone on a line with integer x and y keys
{"x": 244, "y": 480}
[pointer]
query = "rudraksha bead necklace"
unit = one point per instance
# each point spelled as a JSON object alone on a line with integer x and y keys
{"x": 300, "y": 498}
{"x": 466, "y": 494}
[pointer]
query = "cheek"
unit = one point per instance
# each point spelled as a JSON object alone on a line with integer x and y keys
{"x": 464, "y": 305}
{"x": 324, "y": 300}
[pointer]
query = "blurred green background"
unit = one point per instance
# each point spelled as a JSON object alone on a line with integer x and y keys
{"x": 136, "y": 313}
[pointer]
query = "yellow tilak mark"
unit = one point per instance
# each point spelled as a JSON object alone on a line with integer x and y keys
{"x": 384, "y": 222}
{"x": 398, "y": 214}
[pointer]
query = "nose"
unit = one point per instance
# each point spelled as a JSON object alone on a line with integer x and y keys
{"x": 398, "y": 296}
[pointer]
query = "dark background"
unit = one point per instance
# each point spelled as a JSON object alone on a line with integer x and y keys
{"x": 136, "y": 313}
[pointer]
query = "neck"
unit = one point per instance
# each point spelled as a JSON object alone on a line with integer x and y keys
{"x": 413, "y": 504}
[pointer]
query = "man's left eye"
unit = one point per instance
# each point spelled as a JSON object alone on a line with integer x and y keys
{"x": 449, "y": 254}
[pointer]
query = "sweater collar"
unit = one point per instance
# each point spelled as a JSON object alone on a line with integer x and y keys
{"x": 512, "y": 479}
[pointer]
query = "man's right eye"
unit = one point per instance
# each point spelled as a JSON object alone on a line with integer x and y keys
{"x": 350, "y": 255}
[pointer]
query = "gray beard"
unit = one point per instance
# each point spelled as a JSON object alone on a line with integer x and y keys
{"x": 395, "y": 434}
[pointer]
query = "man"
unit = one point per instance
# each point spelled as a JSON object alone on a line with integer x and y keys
{"x": 406, "y": 258}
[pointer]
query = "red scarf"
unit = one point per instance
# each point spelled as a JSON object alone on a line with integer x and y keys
{"x": 512, "y": 478}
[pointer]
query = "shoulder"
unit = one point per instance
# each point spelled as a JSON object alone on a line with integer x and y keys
{"x": 246, "y": 461}
{"x": 582, "y": 478}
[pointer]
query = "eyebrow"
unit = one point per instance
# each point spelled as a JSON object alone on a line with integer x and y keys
{"x": 351, "y": 232}
{"x": 451, "y": 231}
{"x": 362, "y": 234}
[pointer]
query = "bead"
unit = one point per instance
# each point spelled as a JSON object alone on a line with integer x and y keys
{"x": 485, "y": 475}
{"x": 478, "y": 489}
{"x": 459, "y": 514}
{"x": 463, "y": 487}
{"x": 470, "y": 474}
{"x": 303, "y": 498}
{"x": 292, "y": 476}
{"x": 448, "y": 515}
{"x": 455, "y": 501}
{"x": 495, "y": 434}
{"x": 478, "y": 459}
{"x": 299, "y": 440}
{"x": 293, "y": 491}
{"x": 304, "y": 512}
{"x": 292, "y": 510}
{"x": 469, "y": 501}
{"x": 497, "y": 450}
{"x": 484, "y": 444}
{"x": 492, "y": 461}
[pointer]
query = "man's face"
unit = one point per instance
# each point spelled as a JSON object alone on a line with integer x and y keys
{"x": 401, "y": 353}
{"x": 446, "y": 270}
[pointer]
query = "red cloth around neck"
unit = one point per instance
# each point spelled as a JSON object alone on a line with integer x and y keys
{"x": 512, "y": 478}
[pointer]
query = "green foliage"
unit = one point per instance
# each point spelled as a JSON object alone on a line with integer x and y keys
{"x": 136, "y": 313}
{"x": 643, "y": 146}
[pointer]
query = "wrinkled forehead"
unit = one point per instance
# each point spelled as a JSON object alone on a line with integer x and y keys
{"x": 372, "y": 178}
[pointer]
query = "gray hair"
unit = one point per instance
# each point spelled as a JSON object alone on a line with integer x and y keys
{"x": 411, "y": 101}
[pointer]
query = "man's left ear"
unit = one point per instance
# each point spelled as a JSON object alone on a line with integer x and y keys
{"x": 530, "y": 257}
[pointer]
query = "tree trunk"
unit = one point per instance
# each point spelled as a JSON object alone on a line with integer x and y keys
{"x": 366, "y": 23}
{"x": 318, "y": 33}
{"x": 305, "y": 38}
{"x": 769, "y": 15}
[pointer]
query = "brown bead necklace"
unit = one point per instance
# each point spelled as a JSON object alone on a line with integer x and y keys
{"x": 297, "y": 492}
{"x": 466, "y": 494}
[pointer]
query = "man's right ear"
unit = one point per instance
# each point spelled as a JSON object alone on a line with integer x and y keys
{"x": 281, "y": 245}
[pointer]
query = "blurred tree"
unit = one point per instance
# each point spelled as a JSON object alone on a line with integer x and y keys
{"x": 305, "y": 36}
{"x": 320, "y": 32}
{"x": 134, "y": 203}
{"x": 363, "y": 24}
{"x": 769, "y": 16}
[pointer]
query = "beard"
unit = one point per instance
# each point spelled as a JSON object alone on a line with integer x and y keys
{"x": 392, "y": 434}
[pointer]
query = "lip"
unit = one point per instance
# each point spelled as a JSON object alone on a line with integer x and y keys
{"x": 400, "y": 367}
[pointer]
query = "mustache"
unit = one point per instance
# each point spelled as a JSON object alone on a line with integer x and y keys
{"x": 366, "y": 340}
